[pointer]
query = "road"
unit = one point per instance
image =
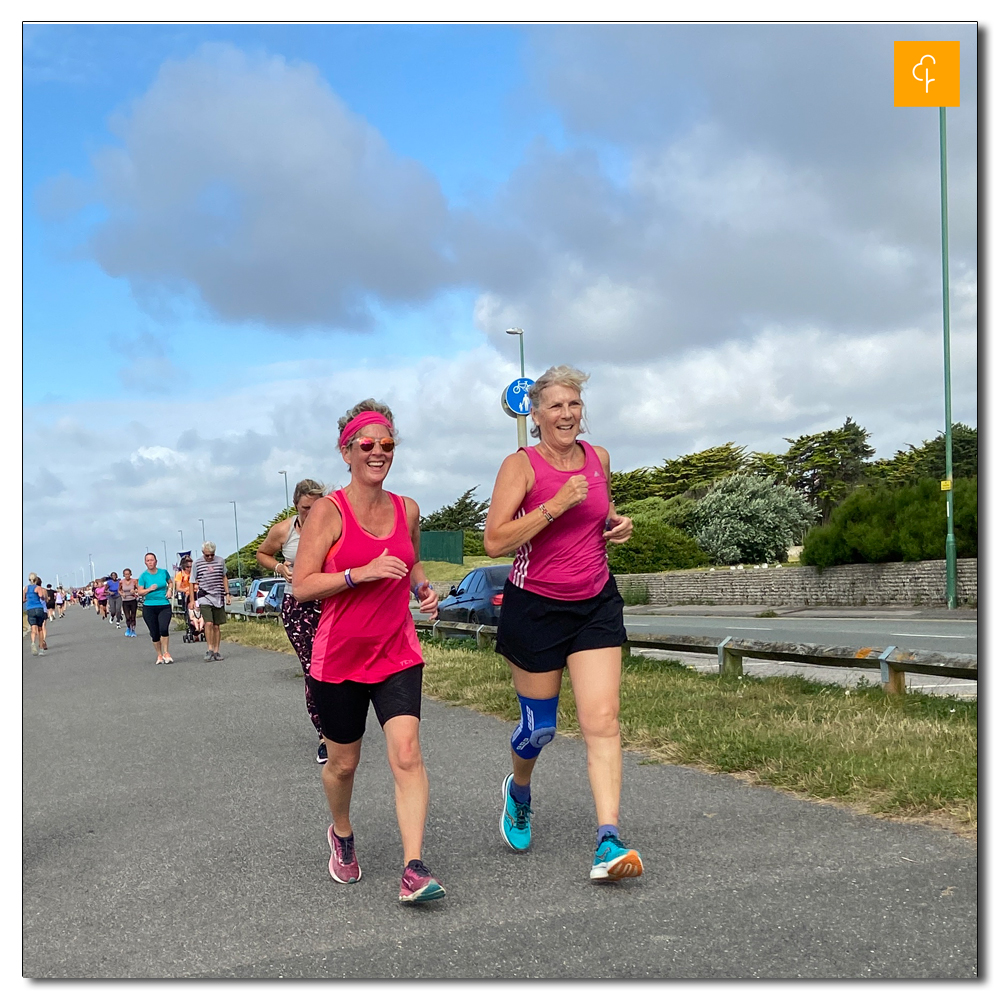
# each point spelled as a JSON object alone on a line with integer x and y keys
{"x": 855, "y": 628}
{"x": 174, "y": 826}
{"x": 948, "y": 636}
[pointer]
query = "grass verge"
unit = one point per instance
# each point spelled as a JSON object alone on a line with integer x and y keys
{"x": 910, "y": 757}
{"x": 265, "y": 634}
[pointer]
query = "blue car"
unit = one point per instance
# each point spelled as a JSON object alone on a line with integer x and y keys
{"x": 478, "y": 598}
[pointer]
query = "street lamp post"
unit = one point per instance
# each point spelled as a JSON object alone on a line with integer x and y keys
{"x": 522, "y": 420}
{"x": 282, "y": 472}
{"x": 181, "y": 533}
{"x": 239, "y": 561}
{"x": 90, "y": 559}
{"x": 166, "y": 559}
{"x": 202, "y": 529}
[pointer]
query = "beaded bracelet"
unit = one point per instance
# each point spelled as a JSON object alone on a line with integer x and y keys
{"x": 548, "y": 516}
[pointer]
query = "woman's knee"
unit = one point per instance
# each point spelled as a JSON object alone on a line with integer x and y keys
{"x": 599, "y": 720}
{"x": 404, "y": 754}
{"x": 340, "y": 766}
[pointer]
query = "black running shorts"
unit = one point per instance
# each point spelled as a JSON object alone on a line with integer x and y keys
{"x": 538, "y": 633}
{"x": 343, "y": 707}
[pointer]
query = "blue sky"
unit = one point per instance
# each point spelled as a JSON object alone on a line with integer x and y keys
{"x": 234, "y": 232}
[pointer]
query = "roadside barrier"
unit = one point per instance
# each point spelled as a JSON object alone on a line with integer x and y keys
{"x": 893, "y": 662}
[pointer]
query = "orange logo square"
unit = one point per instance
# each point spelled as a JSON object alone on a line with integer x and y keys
{"x": 925, "y": 75}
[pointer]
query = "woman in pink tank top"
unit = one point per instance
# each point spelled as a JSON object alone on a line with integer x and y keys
{"x": 561, "y": 608}
{"x": 359, "y": 554}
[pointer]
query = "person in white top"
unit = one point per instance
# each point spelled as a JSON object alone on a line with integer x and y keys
{"x": 300, "y": 618}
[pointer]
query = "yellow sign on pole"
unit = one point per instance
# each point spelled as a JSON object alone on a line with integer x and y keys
{"x": 925, "y": 75}
{"x": 945, "y": 485}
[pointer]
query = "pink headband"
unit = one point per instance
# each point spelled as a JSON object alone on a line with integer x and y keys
{"x": 363, "y": 419}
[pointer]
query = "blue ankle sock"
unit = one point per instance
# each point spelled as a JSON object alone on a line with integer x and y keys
{"x": 520, "y": 793}
{"x": 605, "y": 831}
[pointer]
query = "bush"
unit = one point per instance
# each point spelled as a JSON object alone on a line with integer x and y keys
{"x": 751, "y": 519}
{"x": 676, "y": 512}
{"x": 472, "y": 543}
{"x": 653, "y": 548}
{"x": 901, "y": 524}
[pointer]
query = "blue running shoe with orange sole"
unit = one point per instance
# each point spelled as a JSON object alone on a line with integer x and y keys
{"x": 614, "y": 861}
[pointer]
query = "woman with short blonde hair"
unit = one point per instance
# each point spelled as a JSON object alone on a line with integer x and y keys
{"x": 561, "y": 608}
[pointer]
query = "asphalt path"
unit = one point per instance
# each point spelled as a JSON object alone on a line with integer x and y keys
{"x": 179, "y": 831}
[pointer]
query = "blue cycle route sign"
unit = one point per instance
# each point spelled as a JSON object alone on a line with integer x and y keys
{"x": 514, "y": 400}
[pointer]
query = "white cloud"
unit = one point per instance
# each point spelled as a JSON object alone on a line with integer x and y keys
{"x": 764, "y": 262}
{"x": 454, "y": 434}
{"x": 247, "y": 180}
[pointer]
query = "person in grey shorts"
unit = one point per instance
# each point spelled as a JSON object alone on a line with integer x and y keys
{"x": 210, "y": 587}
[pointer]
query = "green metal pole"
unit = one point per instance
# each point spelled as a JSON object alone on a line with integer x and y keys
{"x": 951, "y": 567}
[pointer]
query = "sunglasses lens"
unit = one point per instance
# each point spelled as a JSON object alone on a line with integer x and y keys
{"x": 367, "y": 444}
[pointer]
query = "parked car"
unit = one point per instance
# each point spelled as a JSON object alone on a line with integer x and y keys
{"x": 478, "y": 598}
{"x": 236, "y": 588}
{"x": 257, "y": 593}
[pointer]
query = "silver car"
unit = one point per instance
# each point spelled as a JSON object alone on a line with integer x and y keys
{"x": 257, "y": 594}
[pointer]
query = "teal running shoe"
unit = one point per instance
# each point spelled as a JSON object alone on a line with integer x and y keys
{"x": 515, "y": 820}
{"x": 614, "y": 861}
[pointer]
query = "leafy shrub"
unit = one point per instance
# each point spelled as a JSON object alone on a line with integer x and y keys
{"x": 472, "y": 543}
{"x": 901, "y": 524}
{"x": 675, "y": 512}
{"x": 750, "y": 519}
{"x": 653, "y": 548}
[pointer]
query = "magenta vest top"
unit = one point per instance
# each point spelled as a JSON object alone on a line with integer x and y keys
{"x": 566, "y": 560}
{"x": 366, "y": 634}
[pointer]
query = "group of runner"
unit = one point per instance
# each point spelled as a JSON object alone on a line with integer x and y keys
{"x": 117, "y": 601}
{"x": 352, "y": 557}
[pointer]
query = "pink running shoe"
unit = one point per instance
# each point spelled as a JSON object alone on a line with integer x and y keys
{"x": 344, "y": 865}
{"x": 419, "y": 885}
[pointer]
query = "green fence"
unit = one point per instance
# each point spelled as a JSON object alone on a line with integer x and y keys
{"x": 442, "y": 546}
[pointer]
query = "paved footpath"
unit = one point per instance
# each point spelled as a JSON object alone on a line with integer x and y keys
{"x": 174, "y": 826}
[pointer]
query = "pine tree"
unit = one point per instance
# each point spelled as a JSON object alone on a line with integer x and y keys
{"x": 465, "y": 514}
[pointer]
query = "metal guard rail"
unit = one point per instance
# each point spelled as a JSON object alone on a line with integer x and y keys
{"x": 894, "y": 663}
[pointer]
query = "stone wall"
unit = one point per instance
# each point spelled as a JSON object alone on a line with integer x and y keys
{"x": 912, "y": 583}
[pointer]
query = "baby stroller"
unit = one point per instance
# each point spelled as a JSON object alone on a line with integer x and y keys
{"x": 195, "y": 624}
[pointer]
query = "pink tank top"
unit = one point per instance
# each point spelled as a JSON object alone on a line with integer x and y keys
{"x": 566, "y": 560}
{"x": 366, "y": 634}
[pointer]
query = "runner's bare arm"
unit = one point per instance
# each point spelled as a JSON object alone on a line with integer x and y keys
{"x": 620, "y": 526}
{"x": 268, "y": 549}
{"x": 425, "y": 594}
{"x": 321, "y": 530}
{"x": 505, "y": 532}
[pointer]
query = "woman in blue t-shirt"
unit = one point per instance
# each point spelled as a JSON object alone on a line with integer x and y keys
{"x": 157, "y": 588}
{"x": 33, "y": 599}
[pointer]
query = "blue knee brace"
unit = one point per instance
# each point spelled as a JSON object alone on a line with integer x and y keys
{"x": 536, "y": 728}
